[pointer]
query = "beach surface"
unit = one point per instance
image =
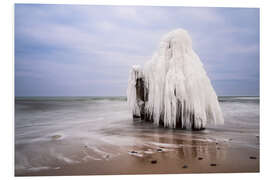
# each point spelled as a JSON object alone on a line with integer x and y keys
{"x": 97, "y": 136}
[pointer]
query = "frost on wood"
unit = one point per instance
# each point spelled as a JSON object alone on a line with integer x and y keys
{"x": 172, "y": 89}
{"x": 135, "y": 90}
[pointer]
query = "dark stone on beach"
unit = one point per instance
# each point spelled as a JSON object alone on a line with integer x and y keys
{"x": 185, "y": 166}
{"x": 216, "y": 143}
{"x": 218, "y": 148}
{"x": 133, "y": 152}
{"x": 154, "y": 161}
{"x": 213, "y": 164}
{"x": 252, "y": 157}
{"x": 159, "y": 150}
{"x": 200, "y": 158}
{"x": 107, "y": 156}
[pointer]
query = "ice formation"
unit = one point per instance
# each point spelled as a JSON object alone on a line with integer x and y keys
{"x": 172, "y": 89}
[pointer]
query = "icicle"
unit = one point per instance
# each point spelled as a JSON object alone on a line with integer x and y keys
{"x": 177, "y": 91}
{"x": 133, "y": 101}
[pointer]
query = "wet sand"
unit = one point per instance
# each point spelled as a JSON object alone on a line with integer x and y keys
{"x": 163, "y": 154}
{"x": 97, "y": 136}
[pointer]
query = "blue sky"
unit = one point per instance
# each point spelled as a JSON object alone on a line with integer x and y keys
{"x": 83, "y": 50}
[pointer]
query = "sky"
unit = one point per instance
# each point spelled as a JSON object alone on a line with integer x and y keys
{"x": 86, "y": 50}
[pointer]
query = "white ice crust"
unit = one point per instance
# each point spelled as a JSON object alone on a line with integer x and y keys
{"x": 176, "y": 74}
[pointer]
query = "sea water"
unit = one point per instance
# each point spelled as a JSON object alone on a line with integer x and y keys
{"x": 52, "y": 131}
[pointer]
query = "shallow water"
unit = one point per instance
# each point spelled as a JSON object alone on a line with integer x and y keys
{"x": 52, "y": 131}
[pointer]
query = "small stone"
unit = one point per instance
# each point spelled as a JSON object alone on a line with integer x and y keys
{"x": 252, "y": 157}
{"x": 159, "y": 150}
{"x": 218, "y": 148}
{"x": 133, "y": 152}
{"x": 213, "y": 164}
{"x": 185, "y": 166}
{"x": 200, "y": 158}
{"x": 216, "y": 143}
{"x": 154, "y": 161}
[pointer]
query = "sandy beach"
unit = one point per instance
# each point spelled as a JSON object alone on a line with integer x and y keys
{"x": 209, "y": 158}
{"x": 97, "y": 136}
{"x": 168, "y": 153}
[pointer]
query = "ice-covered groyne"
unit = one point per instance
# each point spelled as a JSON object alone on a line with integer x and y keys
{"x": 172, "y": 89}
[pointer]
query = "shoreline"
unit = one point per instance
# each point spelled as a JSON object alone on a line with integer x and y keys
{"x": 98, "y": 137}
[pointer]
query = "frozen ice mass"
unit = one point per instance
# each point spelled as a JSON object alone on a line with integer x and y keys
{"x": 173, "y": 89}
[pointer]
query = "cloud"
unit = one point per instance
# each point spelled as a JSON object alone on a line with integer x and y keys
{"x": 90, "y": 48}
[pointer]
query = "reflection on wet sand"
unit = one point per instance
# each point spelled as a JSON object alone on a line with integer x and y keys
{"x": 185, "y": 146}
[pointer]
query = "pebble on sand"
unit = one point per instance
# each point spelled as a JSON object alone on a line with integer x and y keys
{"x": 200, "y": 158}
{"x": 213, "y": 164}
{"x": 185, "y": 166}
{"x": 154, "y": 161}
{"x": 252, "y": 157}
{"x": 159, "y": 150}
